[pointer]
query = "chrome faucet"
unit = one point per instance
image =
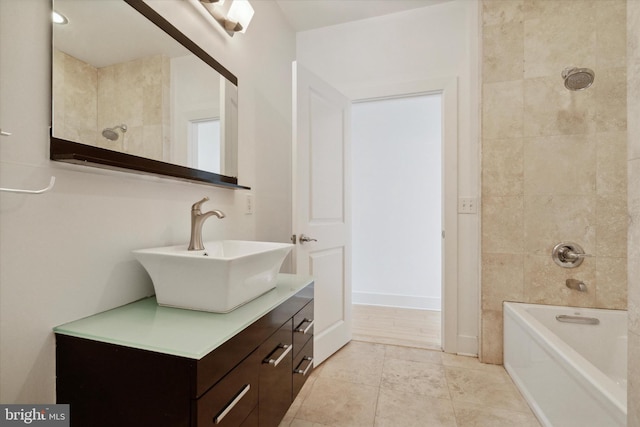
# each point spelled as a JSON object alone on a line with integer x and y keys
{"x": 197, "y": 219}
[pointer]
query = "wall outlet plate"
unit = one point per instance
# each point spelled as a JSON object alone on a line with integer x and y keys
{"x": 248, "y": 206}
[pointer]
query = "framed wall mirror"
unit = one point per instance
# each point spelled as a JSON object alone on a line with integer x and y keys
{"x": 130, "y": 91}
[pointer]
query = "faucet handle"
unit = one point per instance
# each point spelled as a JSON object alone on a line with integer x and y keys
{"x": 568, "y": 254}
{"x": 196, "y": 206}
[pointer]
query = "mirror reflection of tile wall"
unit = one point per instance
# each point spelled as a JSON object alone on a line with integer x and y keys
{"x": 136, "y": 93}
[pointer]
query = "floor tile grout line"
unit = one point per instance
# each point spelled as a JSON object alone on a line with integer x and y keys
{"x": 387, "y": 354}
{"x": 304, "y": 397}
{"x": 375, "y": 407}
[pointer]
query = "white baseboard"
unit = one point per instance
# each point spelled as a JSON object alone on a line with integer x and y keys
{"x": 391, "y": 300}
{"x": 467, "y": 345}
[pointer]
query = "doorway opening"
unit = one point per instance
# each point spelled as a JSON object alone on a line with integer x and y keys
{"x": 397, "y": 205}
{"x": 205, "y": 149}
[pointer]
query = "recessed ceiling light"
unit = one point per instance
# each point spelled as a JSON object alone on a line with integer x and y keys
{"x": 59, "y": 18}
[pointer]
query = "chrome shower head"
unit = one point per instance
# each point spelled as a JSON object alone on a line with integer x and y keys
{"x": 578, "y": 78}
{"x": 111, "y": 134}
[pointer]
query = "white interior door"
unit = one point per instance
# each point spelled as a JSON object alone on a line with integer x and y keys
{"x": 321, "y": 204}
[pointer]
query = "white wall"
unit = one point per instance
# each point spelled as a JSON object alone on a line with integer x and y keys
{"x": 397, "y": 202}
{"x": 66, "y": 254}
{"x": 195, "y": 95}
{"x": 434, "y": 42}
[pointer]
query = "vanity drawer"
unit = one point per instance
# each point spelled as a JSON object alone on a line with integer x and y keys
{"x": 302, "y": 328}
{"x": 211, "y": 368}
{"x": 276, "y": 365}
{"x": 232, "y": 399}
{"x": 302, "y": 367}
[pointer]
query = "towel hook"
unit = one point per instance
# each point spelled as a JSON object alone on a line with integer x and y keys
{"x": 44, "y": 190}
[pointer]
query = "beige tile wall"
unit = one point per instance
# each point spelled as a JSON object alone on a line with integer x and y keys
{"x": 75, "y": 99}
{"x": 553, "y": 161}
{"x": 135, "y": 93}
{"x": 633, "y": 113}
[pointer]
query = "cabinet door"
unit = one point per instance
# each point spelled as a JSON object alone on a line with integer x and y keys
{"x": 109, "y": 385}
{"x": 275, "y": 376}
{"x": 252, "y": 419}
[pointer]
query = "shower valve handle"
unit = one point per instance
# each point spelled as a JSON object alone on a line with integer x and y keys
{"x": 568, "y": 254}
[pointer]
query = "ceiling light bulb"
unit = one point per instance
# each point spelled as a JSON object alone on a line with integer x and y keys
{"x": 59, "y": 18}
{"x": 242, "y": 13}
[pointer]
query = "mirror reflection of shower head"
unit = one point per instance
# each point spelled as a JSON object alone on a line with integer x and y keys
{"x": 578, "y": 78}
{"x": 111, "y": 133}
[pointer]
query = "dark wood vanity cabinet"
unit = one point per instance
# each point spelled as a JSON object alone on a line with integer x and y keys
{"x": 287, "y": 362}
{"x": 302, "y": 347}
{"x": 234, "y": 397}
{"x": 276, "y": 372}
{"x": 249, "y": 380}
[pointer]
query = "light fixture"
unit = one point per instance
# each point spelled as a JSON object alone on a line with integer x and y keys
{"x": 233, "y": 15}
{"x": 59, "y": 18}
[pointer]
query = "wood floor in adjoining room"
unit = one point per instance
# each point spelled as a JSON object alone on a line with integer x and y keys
{"x": 397, "y": 326}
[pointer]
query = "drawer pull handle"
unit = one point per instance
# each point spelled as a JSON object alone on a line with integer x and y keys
{"x": 301, "y": 371}
{"x": 305, "y": 330}
{"x": 218, "y": 419}
{"x": 275, "y": 362}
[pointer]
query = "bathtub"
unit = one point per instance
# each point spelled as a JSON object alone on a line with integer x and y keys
{"x": 571, "y": 374}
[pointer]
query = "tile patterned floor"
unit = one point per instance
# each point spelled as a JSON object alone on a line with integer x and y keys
{"x": 371, "y": 384}
{"x": 397, "y": 326}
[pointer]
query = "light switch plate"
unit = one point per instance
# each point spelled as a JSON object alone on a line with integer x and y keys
{"x": 467, "y": 205}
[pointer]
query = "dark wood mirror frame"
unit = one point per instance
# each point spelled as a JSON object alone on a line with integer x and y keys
{"x": 73, "y": 152}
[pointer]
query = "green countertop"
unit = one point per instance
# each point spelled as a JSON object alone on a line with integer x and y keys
{"x": 145, "y": 325}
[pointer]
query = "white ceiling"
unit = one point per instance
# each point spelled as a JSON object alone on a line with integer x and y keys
{"x": 310, "y": 14}
{"x": 112, "y": 32}
{"x": 102, "y": 33}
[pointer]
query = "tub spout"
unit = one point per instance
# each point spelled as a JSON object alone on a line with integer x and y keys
{"x": 578, "y": 285}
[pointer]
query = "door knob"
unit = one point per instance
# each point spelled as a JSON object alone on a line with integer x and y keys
{"x": 304, "y": 239}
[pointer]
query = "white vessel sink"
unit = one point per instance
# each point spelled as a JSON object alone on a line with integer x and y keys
{"x": 220, "y": 278}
